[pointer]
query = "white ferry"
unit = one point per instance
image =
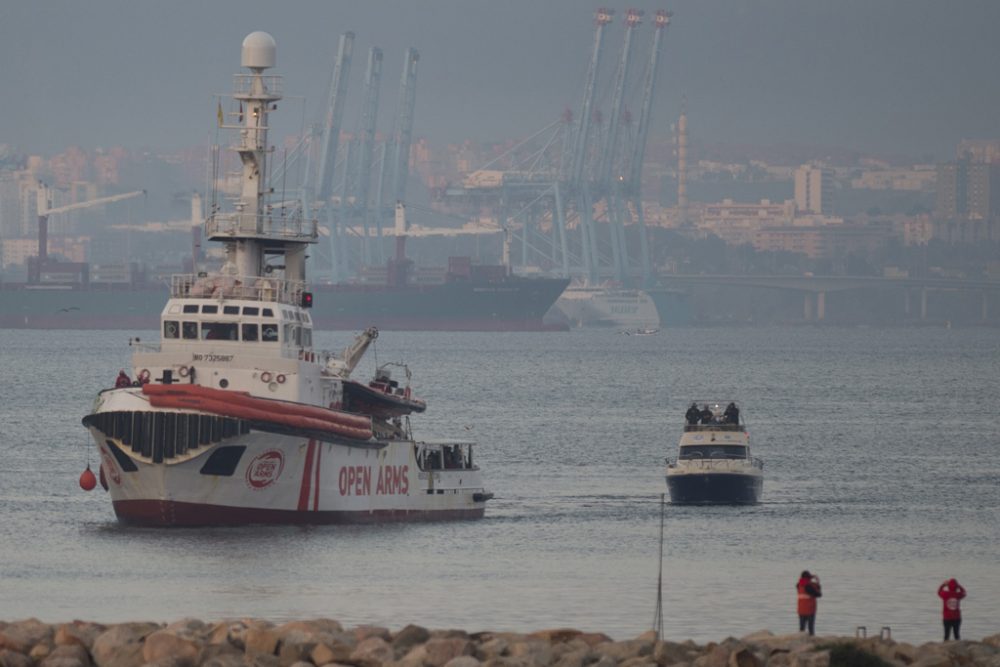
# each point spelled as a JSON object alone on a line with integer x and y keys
{"x": 606, "y": 305}
{"x": 714, "y": 464}
{"x": 234, "y": 417}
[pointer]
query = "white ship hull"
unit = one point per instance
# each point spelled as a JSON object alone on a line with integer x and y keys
{"x": 260, "y": 477}
{"x": 598, "y": 306}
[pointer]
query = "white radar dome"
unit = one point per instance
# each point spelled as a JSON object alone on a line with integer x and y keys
{"x": 259, "y": 51}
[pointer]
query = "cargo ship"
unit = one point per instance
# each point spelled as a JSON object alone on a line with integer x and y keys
{"x": 484, "y": 298}
{"x": 234, "y": 417}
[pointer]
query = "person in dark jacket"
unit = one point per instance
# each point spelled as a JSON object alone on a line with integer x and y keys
{"x": 808, "y": 590}
{"x": 707, "y": 416}
{"x": 123, "y": 380}
{"x": 693, "y": 414}
{"x": 951, "y": 594}
{"x": 732, "y": 414}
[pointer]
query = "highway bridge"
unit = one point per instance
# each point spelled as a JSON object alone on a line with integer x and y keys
{"x": 815, "y": 288}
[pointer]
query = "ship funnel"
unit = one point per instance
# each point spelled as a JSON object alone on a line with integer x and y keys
{"x": 259, "y": 51}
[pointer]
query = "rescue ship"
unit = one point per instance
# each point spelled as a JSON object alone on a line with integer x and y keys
{"x": 234, "y": 417}
{"x": 714, "y": 464}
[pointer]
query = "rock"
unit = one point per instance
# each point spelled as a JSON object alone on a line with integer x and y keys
{"x": 121, "y": 645}
{"x": 39, "y": 651}
{"x": 440, "y": 650}
{"x": 164, "y": 645}
{"x": 294, "y": 649}
{"x": 639, "y": 661}
{"x": 78, "y": 632}
{"x": 260, "y": 641}
{"x": 67, "y": 655}
{"x": 621, "y": 651}
{"x": 556, "y": 635}
{"x": 494, "y": 647}
{"x": 260, "y": 660}
{"x": 22, "y": 636}
{"x": 363, "y": 632}
{"x": 323, "y": 653}
{"x": 10, "y": 658}
{"x": 407, "y": 638}
{"x": 992, "y": 640}
{"x": 463, "y": 661}
{"x": 744, "y": 657}
{"x": 372, "y": 652}
{"x": 717, "y": 656}
{"x": 535, "y": 652}
{"x": 669, "y": 653}
{"x": 580, "y": 657}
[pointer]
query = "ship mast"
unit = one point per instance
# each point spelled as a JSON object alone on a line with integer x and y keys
{"x": 254, "y": 229}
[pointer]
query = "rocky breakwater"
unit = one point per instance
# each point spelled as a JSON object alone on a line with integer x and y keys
{"x": 259, "y": 643}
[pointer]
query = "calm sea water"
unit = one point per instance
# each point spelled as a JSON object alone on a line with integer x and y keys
{"x": 882, "y": 475}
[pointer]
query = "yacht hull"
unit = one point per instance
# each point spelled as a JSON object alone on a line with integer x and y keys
{"x": 714, "y": 488}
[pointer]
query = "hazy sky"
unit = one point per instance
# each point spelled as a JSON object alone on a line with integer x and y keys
{"x": 903, "y": 76}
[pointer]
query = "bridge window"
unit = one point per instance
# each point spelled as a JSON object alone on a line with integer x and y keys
{"x": 230, "y": 310}
{"x": 307, "y": 337}
{"x": 251, "y": 310}
{"x": 268, "y": 312}
{"x": 269, "y": 333}
{"x": 218, "y": 331}
{"x": 189, "y": 330}
{"x": 171, "y": 329}
{"x": 210, "y": 309}
{"x": 250, "y": 332}
{"x": 190, "y": 308}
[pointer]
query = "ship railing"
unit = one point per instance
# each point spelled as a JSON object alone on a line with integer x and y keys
{"x": 251, "y": 288}
{"x": 144, "y": 348}
{"x": 285, "y": 226}
{"x": 244, "y": 86}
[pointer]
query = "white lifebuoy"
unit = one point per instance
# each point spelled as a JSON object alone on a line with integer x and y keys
{"x": 183, "y": 371}
{"x": 280, "y": 379}
{"x": 265, "y": 377}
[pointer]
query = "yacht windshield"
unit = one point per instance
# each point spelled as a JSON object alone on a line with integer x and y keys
{"x": 713, "y": 451}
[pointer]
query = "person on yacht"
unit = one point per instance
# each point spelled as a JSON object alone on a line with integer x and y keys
{"x": 693, "y": 414}
{"x": 732, "y": 414}
{"x": 707, "y": 416}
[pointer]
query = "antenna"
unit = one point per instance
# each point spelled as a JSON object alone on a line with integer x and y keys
{"x": 658, "y": 614}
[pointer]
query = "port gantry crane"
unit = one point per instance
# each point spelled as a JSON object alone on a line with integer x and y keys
{"x": 602, "y": 17}
{"x": 633, "y": 178}
{"x": 607, "y": 157}
{"x": 369, "y": 114}
{"x": 329, "y": 143}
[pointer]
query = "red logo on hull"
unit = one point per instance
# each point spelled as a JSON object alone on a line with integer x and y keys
{"x": 265, "y": 469}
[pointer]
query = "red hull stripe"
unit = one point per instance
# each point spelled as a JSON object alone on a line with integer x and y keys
{"x": 306, "y": 478}
{"x": 173, "y": 513}
{"x": 319, "y": 456}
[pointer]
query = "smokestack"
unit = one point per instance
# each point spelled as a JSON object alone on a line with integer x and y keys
{"x": 682, "y": 199}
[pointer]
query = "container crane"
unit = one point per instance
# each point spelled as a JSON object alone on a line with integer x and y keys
{"x": 334, "y": 117}
{"x": 607, "y": 161}
{"x": 602, "y": 17}
{"x": 633, "y": 180}
{"x": 403, "y": 130}
{"x": 369, "y": 114}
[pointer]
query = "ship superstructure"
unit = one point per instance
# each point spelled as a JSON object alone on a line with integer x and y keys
{"x": 235, "y": 417}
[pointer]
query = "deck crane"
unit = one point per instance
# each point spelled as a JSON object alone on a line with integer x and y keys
{"x": 607, "y": 160}
{"x": 602, "y": 17}
{"x": 369, "y": 114}
{"x": 44, "y": 199}
{"x": 403, "y": 129}
{"x": 633, "y": 179}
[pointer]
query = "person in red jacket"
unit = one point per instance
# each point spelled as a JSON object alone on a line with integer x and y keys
{"x": 808, "y": 589}
{"x": 951, "y": 594}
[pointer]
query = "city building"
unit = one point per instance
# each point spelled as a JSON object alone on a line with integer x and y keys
{"x": 814, "y": 189}
{"x": 967, "y": 205}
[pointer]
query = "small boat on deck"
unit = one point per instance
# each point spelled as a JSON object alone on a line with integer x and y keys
{"x": 714, "y": 464}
